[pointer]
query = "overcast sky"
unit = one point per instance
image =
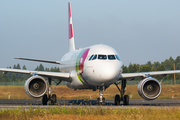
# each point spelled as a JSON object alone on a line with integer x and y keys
{"x": 140, "y": 30}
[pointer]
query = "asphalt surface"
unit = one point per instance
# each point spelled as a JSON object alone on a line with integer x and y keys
{"x": 132, "y": 103}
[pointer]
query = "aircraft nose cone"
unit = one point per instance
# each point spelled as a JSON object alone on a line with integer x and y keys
{"x": 109, "y": 72}
{"x": 103, "y": 73}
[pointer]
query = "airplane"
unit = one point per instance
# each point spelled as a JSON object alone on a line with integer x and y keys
{"x": 95, "y": 67}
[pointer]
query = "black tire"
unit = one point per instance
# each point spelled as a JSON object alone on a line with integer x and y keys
{"x": 103, "y": 101}
{"x": 117, "y": 100}
{"x": 54, "y": 100}
{"x": 98, "y": 101}
{"x": 44, "y": 99}
{"x": 126, "y": 100}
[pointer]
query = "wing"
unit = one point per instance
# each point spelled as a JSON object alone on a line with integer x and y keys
{"x": 147, "y": 74}
{"x": 57, "y": 75}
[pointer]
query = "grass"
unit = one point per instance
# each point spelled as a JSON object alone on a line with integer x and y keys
{"x": 62, "y": 92}
{"x": 82, "y": 113}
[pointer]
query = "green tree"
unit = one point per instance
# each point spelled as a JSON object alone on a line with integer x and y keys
{"x": 168, "y": 63}
{"x": 149, "y": 63}
{"x": 178, "y": 66}
{"x": 24, "y": 67}
{"x": 13, "y": 77}
{"x": 47, "y": 69}
{"x": 55, "y": 69}
{"x": 160, "y": 68}
{"x": 125, "y": 69}
{"x": 9, "y": 74}
{"x": 18, "y": 66}
{"x": 171, "y": 59}
{"x": 154, "y": 65}
{"x": 133, "y": 68}
{"x": 145, "y": 68}
{"x": 14, "y": 67}
{"x": 177, "y": 59}
{"x": 40, "y": 68}
{"x": 136, "y": 67}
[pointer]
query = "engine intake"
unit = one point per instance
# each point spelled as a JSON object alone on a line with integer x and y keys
{"x": 149, "y": 88}
{"x": 35, "y": 86}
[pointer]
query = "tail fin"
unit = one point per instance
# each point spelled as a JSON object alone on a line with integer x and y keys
{"x": 71, "y": 33}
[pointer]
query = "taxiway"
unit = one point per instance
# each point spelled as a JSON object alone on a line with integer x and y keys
{"x": 36, "y": 103}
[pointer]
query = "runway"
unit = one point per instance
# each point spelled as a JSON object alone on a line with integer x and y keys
{"x": 36, "y": 103}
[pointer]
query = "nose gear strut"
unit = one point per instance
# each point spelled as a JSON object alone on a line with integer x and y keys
{"x": 101, "y": 99}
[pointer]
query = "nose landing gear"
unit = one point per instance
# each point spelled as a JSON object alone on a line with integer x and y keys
{"x": 124, "y": 98}
{"x": 101, "y": 99}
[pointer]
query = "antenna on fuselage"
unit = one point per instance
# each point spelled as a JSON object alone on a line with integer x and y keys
{"x": 71, "y": 32}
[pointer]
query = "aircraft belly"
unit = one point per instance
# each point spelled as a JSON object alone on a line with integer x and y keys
{"x": 76, "y": 82}
{"x": 77, "y": 86}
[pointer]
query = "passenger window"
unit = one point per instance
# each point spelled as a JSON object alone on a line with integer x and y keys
{"x": 95, "y": 56}
{"x": 118, "y": 57}
{"x": 102, "y": 57}
{"x": 111, "y": 57}
{"x": 91, "y": 57}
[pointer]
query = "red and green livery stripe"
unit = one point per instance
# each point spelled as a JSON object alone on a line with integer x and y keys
{"x": 80, "y": 63}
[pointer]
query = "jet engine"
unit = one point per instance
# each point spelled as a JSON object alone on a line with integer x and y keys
{"x": 149, "y": 88}
{"x": 35, "y": 86}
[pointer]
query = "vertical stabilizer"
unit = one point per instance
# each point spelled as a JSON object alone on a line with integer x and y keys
{"x": 71, "y": 32}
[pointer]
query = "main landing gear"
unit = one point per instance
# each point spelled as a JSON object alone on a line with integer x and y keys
{"x": 118, "y": 99}
{"x": 124, "y": 98}
{"x": 48, "y": 97}
{"x": 101, "y": 99}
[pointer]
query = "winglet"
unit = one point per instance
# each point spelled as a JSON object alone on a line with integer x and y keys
{"x": 71, "y": 33}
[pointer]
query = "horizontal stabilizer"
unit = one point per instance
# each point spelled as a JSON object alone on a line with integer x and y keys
{"x": 46, "y": 61}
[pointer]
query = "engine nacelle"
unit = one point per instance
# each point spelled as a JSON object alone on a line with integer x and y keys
{"x": 149, "y": 88}
{"x": 35, "y": 86}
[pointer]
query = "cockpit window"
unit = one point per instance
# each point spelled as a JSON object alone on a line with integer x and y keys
{"x": 111, "y": 57}
{"x": 91, "y": 57}
{"x": 102, "y": 57}
{"x": 118, "y": 57}
{"x": 95, "y": 56}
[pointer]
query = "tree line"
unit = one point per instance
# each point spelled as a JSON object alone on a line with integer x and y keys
{"x": 167, "y": 64}
{"x": 10, "y": 77}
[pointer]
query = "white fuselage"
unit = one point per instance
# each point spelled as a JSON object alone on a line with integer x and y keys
{"x": 98, "y": 65}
